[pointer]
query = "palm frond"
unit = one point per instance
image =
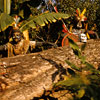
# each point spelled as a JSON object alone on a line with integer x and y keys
{"x": 42, "y": 20}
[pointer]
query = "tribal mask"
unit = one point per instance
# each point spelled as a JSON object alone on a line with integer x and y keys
{"x": 83, "y": 37}
{"x": 17, "y": 37}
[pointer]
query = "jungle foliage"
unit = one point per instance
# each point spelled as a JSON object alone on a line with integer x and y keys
{"x": 82, "y": 85}
{"x": 29, "y": 19}
{"x": 27, "y": 8}
{"x": 92, "y": 8}
{"x": 82, "y": 82}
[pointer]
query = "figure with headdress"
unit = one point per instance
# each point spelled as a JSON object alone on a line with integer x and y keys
{"x": 19, "y": 45}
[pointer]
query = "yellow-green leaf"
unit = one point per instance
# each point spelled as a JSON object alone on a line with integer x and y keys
{"x": 81, "y": 93}
{"x": 5, "y": 21}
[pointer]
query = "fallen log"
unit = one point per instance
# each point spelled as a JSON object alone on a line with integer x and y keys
{"x": 28, "y": 76}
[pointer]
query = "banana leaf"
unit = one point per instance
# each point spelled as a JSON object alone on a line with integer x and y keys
{"x": 5, "y": 21}
{"x": 42, "y": 20}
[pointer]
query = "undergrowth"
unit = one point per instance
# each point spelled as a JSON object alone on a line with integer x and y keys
{"x": 83, "y": 82}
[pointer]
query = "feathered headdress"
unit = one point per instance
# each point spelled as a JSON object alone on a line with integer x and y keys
{"x": 80, "y": 15}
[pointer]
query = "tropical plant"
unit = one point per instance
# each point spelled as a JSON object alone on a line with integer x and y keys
{"x": 25, "y": 8}
{"x": 42, "y": 20}
{"x": 27, "y": 21}
{"x": 5, "y": 21}
{"x": 84, "y": 81}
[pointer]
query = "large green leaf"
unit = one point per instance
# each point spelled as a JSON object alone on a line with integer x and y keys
{"x": 5, "y": 21}
{"x": 42, "y": 20}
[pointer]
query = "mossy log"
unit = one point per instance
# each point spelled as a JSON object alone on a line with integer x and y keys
{"x": 28, "y": 76}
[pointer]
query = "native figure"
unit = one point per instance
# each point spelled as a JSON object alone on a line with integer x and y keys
{"x": 19, "y": 45}
{"x": 79, "y": 25}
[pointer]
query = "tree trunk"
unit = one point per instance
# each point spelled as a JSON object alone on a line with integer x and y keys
{"x": 28, "y": 76}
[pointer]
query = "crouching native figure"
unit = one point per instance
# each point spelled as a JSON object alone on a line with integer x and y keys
{"x": 19, "y": 45}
